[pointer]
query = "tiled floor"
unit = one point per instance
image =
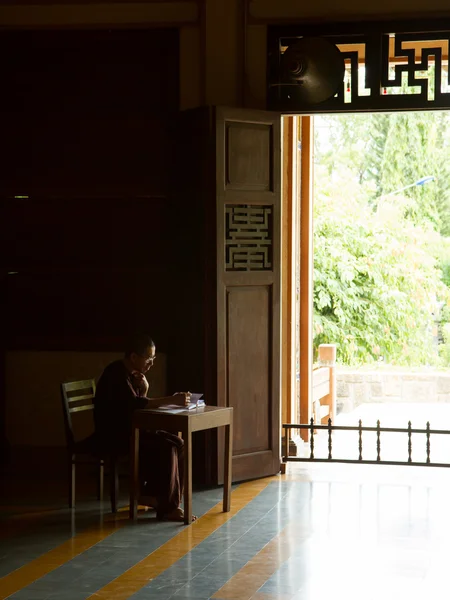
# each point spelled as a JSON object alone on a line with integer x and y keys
{"x": 326, "y": 531}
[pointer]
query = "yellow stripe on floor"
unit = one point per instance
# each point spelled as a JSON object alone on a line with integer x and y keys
{"x": 37, "y": 568}
{"x": 246, "y": 583}
{"x": 169, "y": 553}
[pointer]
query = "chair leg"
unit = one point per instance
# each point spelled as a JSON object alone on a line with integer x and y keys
{"x": 71, "y": 483}
{"x": 114, "y": 484}
{"x": 101, "y": 474}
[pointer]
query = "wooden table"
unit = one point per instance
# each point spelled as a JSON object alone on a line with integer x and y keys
{"x": 186, "y": 422}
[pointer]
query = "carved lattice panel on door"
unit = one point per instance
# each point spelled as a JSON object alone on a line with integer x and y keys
{"x": 248, "y": 238}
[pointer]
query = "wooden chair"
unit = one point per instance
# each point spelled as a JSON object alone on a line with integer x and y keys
{"x": 78, "y": 396}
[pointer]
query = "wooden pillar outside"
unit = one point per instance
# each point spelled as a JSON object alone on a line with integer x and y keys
{"x": 306, "y": 270}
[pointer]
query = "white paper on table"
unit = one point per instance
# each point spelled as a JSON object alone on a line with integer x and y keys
{"x": 172, "y": 408}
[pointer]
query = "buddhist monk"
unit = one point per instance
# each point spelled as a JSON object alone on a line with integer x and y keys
{"x": 123, "y": 388}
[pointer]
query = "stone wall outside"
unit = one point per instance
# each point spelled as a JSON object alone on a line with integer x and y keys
{"x": 358, "y": 386}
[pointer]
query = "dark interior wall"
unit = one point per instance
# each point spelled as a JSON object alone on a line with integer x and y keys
{"x": 86, "y": 269}
{"x": 86, "y": 112}
{"x": 87, "y": 122}
{"x": 86, "y": 135}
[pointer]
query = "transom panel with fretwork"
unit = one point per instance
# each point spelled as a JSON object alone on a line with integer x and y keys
{"x": 388, "y": 66}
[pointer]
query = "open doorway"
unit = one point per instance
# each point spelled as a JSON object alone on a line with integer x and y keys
{"x": 374, "y": 288}
{"x": 381, "y": 255}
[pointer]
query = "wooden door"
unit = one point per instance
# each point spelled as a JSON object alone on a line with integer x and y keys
{"x": 248, "y": 234}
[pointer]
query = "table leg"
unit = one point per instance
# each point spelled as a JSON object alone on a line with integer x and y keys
{"x": 227, "y": 468}
{"x": 187, "y": 477}
{"x": 134, "y": 473}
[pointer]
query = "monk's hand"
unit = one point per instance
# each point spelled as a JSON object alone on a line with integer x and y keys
{"x": 141, "y": 382}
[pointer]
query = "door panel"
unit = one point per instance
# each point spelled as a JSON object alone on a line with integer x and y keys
{"x": 248, "y": 155}
{"x": 249, "y": 325}
{"x": 248, "y": 206}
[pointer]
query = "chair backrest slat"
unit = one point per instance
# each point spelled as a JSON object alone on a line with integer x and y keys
{"x": 81, "y": 408}
{"x": 84, "y": 402}
{"x": 73, "y": 386}
{"x": 79, "y": 398}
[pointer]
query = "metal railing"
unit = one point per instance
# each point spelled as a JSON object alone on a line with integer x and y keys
{"x": 330, "y": 428}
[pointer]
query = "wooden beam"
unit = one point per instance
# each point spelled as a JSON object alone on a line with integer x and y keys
{"x": 103, "y": 14}
{"x": 329, "y": 12}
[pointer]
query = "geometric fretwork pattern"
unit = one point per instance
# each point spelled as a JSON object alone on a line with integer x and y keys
{"x": 248, "y": 238}
{"x": 384, "y": 71}
{"x": 415, "y": 65}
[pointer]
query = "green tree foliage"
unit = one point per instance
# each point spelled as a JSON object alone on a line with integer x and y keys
{"x": 386, "y": 152}
{"x": 381, "y": 261}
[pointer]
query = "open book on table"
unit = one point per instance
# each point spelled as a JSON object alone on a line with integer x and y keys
{"x": 196, "y": 402}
